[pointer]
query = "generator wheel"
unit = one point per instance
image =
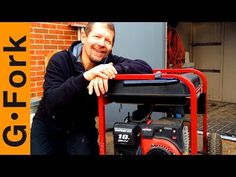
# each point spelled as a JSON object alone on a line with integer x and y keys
{"x": 214, "y": 144}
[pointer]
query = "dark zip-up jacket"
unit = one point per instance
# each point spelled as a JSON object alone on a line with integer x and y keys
{"x": 66, "y": 102}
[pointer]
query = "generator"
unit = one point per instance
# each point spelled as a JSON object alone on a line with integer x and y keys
{"x": 180, "y": 93}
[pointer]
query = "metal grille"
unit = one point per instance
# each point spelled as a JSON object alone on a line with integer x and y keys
{"x": 221, "y": 119}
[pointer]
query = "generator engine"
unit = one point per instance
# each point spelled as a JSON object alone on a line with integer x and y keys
{"x": 166, "y": 136}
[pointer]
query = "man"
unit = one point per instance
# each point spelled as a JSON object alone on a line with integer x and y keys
{"x": 65, "y": 120}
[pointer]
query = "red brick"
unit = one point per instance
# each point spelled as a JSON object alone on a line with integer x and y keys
{"x": 58, "y": 32}
{"x": 49, "y": 36}
{"x": 36, "y": 36}
{"x": 33, "y": 79}
{"x": 70, "y": 32}
{"x": 37, "y": 68}
{"x": 36, "y": 24}
{"x": 39, "y": 94}
{"x": 50, "y": 47}
{"x": 52, "y": 26}
{"x": 41, "y": 41}
{"x": 39, "y": 84}
{"x": 36, "y": 89}
{"x": 36, "y": 46}
{"x": 63, "y": 27}
{"x": 57, "y": 42}
{"x": 66, "y": 37}
{"x": 40, "y": 30}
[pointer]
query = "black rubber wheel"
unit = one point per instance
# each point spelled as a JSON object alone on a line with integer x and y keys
{"x": 159, "y": 151}
{"x": 214, "y": 144}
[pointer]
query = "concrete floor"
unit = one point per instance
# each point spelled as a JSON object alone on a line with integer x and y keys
{"x": 229, "y": 147}
{"x": 217, "y": 110}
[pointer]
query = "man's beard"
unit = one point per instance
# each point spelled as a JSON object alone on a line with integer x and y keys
{"x": 97, "y": 61}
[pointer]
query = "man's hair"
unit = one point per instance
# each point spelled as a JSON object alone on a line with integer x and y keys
{"x": 109, "y": 25}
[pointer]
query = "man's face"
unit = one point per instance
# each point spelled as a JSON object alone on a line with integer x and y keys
{"x": 99, "y": 42}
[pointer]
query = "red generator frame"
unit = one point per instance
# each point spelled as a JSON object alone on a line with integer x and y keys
{"x": 165, "y": 73}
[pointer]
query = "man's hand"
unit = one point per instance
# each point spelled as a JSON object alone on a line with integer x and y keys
{"x": 99, "y": 85}
{"x": 105, "y": 71}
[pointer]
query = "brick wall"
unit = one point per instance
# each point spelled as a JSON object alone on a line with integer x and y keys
{"x": 45, "y": 39}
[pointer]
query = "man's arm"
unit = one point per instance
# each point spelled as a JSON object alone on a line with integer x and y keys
{"x": 123, "y": 66}
{"x": 60, "y": 87}
{"x": 130, "y": 66}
